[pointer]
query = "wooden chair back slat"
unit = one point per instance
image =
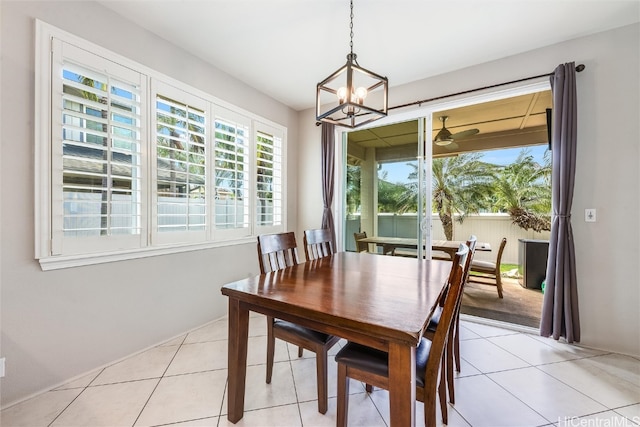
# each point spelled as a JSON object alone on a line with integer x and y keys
{"x": 318, "y": 243}
{"x": 277, "y": 251}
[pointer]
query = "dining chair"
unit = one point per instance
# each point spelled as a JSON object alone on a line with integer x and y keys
{"x": 361, "y": 246}
{"x": 471, "y": 243}
{"x": 318, "y": 243}
{"x": 487, "y": 272}
{"x": 275, "y": 252}
{"x": 371, "y": 366}
{"x": 452, "y": 350}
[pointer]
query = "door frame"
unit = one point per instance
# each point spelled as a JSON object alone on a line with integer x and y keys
{"x": 424, "y": 113}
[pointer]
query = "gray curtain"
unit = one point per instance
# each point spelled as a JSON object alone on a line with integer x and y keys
{"x": 560, "y": 306}
{"x": 328, "y": 167}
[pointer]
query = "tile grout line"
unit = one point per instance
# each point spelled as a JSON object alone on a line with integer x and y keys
{"x": 538, "y": 366}
{"x": 159, "y": 380}
{"x": 374, "y": 404}
{"x": 486, "y": 375}
{"x": 224, "y": 393}
{"x": 75, "y": 398}
{"x": 293, "y": 378}
{"x": 549, "y": 422}
{"x": 518, "y": 399}
{"x": 572, "y": 387}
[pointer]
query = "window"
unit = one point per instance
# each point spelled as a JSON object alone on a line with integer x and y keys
{"x": 131, "y": 163}
{"x": 96, "y": 145}
{"x": 100, "y": 155}
{"x": 268, "y": 178}
{"x": 232, "y": 173}
{"x": 181, "y": 166}
{"x": 181, "y": 139}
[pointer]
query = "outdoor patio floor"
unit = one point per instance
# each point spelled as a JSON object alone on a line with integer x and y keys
{"x": 520, "y": 306}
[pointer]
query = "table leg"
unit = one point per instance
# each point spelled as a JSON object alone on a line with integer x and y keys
{"x": 402, "y": 384}
{"x": 237, "y": 363}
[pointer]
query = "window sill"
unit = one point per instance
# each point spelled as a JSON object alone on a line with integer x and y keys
{"x": 61, "y": 262}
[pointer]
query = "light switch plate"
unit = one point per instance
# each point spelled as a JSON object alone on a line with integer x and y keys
{"x": 590, "y": 215}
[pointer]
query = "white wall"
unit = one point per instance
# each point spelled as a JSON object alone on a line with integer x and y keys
{"x": 59, "y": 324}
{"x": 607, "y": 176}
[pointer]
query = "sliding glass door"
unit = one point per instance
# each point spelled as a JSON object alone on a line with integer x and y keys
{"x": 386, "y": 185}
{"x": 406, "y": 177}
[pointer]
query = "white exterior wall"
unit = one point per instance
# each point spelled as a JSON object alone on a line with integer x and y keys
{"x": 490, "y": 229}
{"x": 607, "y": 176}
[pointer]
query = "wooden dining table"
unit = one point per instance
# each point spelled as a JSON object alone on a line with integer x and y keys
{"x": 379, "y": 301}
{"x": 450, "y": 247}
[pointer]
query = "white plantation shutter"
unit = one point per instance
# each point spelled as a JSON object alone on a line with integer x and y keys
{"x": 181, "y": 149}
{"x": 179, "y": 167}
{"x": 97, "y": 171}
{"x": 269, "y": 182}
{"x": 232, "y": 174}
{"x": 131, "y": 163}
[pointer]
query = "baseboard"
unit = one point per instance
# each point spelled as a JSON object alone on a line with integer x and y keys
{"x": 99, "y": 368}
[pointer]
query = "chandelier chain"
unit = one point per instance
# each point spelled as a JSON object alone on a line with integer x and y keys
{"x": 351, "y": 28}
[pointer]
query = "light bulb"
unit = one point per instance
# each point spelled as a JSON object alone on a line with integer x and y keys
{"x": 361, "y": 94}
{"x": 342, "y": 95}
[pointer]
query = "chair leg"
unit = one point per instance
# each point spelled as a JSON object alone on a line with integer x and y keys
{"x": 343, "y": 396}
{"x": 442, "y": 390}
{"x": 321, "y": 379}
{"x": 300, "y": 349}
{"x": 449, "y": 372}
{"x": 368, "y": 388}
{"x": 499, "y": 284}
{"x": 456, "y": 343}
{"x": 271, "y": 347}
{"x": 429, "y": 406}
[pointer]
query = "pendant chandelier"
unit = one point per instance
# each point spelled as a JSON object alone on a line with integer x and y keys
{"x": 352, "y": 96}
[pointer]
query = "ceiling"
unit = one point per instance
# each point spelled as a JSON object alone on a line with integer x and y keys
{"x": 285, "y": 47}
{"x": 512, "y": 122}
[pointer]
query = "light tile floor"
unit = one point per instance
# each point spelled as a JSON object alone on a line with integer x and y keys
{"x": 508, "y": 378}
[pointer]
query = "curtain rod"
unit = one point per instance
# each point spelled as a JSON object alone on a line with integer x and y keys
{"x": 579, "y": 68}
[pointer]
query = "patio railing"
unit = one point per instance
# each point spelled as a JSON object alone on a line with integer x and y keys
{"x": 490, "y": 228}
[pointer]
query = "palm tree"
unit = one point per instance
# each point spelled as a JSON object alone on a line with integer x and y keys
{"x": 353, "y": 188}
{"x": 391, "y": 197}
{"x": 460, "y": 185}
{"x": 523, "y": 190}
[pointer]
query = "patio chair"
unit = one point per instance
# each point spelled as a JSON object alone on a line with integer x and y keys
{"x": 317, "y": 243}
{"x": 371, "y": 366}
{"x": 487, "y": 272}
{"x": 275, "y": 252}
{"x": 361, "y": 246}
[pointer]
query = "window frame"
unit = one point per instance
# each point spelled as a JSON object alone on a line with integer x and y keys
{"x": 59, "y": 242}
{"x": 152, "y": 243}
{"x": 159, "y": 87}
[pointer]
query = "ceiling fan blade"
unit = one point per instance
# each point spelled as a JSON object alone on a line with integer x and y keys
{"x": 451, "y": 147}
{"x": 465, "y": 133}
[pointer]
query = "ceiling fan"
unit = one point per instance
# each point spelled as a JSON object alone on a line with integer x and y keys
{"x": 445, "y": 138}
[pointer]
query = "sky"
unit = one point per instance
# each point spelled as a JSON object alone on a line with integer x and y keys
{"x": 398, "y": 172}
